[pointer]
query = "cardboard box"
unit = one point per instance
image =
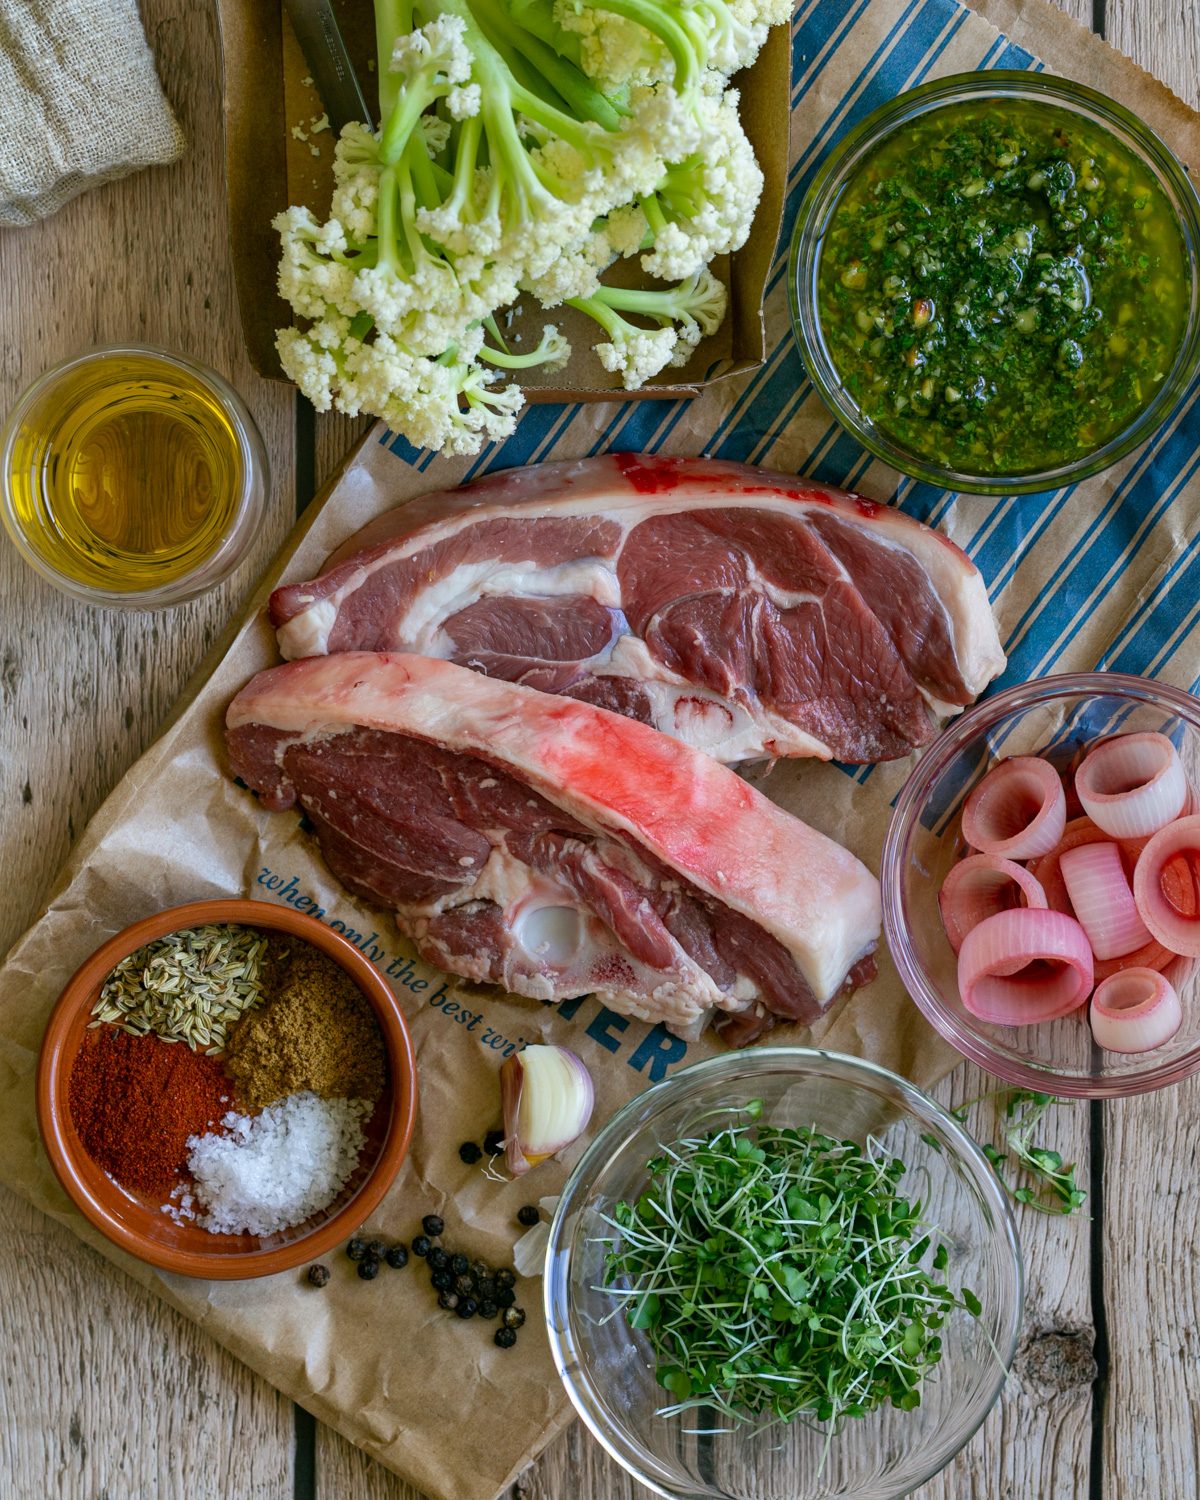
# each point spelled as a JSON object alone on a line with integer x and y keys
{"x": 274, "y": 157}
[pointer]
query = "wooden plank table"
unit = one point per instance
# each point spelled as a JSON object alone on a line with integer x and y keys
{"x": 107, "y": 1393}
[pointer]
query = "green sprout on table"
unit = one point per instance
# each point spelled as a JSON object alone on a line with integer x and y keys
{"x": 1055, "y": 1190}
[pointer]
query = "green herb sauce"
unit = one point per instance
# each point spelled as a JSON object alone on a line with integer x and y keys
{"x": 1002, "y": 287}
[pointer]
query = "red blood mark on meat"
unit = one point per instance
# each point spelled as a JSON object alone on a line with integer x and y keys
{"x": 866, "y": 508}
{"x": 612, "y": 972}
{"x": 692, "y": 711}
{"x": 649, "y": 475}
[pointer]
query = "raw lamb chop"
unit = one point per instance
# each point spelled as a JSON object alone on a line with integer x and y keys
{"x": 747, "y": 613}
{"x": 554, "y": 847}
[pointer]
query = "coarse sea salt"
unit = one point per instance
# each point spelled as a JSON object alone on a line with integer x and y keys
{"x": 275, "y": 1169}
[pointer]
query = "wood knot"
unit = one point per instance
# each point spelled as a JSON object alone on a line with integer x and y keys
{"x": 1057, "y": 1359}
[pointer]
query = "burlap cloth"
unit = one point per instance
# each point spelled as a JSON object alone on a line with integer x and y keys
{"x": 80, "y": 102}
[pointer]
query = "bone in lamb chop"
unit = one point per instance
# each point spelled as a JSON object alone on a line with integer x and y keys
{"x": 748, "y": 613}
{"x": 555, "y": 848}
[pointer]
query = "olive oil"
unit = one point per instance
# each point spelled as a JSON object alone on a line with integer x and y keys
{"x": 126, "y": 472}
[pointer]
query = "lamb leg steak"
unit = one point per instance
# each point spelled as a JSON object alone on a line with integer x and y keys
{"x": 554, "y": 847}
{"x": 748, "y": 613}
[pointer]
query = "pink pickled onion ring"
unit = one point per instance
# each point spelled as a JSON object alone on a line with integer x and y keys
{"x": 1132, "y": 785}
{"x": 1152, "y": 956}
{"x": 1166, "y": 886}
{"x": 1054, "y": 976}
{"x": 1135, "y": 1011}
{"x": 1102, "y": 899}
{"x": 978, "y": 887}
{"x": 1018, "y": 810}
{"x": 1048, "y": 873}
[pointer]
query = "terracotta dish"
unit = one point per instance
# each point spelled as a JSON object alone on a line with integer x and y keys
{"x": 136, "y": 1224}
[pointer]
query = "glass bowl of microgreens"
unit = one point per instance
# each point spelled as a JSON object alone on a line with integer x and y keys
{"x": 995, "y": 282}
{"x": 783, "y": 1274}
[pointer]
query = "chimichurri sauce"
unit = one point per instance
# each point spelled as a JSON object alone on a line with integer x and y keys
{"x": 1002, "y": 286}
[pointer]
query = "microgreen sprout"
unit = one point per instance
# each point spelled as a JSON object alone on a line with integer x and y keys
{"x": 1022, "y": 1111}
{"x": 779, "y": 1273}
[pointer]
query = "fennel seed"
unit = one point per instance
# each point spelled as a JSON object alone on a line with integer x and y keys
{"x": 189, "y": 986}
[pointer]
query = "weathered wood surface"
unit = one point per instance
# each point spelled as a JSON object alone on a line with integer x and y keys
{"x": 106, "y": 1393}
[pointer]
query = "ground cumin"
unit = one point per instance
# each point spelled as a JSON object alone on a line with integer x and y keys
{"x": 316, "y": 1031}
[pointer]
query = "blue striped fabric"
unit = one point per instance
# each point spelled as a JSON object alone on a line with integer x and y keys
{"x": 1099, "y": 574}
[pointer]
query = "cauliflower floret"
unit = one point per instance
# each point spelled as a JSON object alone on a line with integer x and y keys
{"x": 462, "y": 103}
{"x": 312, "y": 368}
{"x": 436, "y": 132}
{"x": 356, "y": 181}
{"x": 725, "y": 35}
{"x": 308, "y": 280}
{"x": 638, "y": 355}
{"x": 705, "y": 205}
{"x": 626, "y": 229}
{"x": 441, "y": 43}
{"x": 574, "y": 273}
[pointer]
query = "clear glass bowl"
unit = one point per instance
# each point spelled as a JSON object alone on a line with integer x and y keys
{"x": 1055, "y": 715}
{"x": 31, "y": 444}
{"x": 825, "y": 193}
{"x": 608, "y": 1370}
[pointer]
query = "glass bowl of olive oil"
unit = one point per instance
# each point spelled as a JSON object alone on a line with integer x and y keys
{"x": 132, "y": 478}
{"x": 995, "y": 282}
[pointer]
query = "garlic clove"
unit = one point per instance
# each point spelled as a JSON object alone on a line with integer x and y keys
{"x": 547, "y": 1097}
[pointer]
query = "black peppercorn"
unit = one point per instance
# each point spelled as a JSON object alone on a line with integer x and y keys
{"x": 505, "y": 1296}
{"x": 493, "y": 1141}
{"x": 480, "y": 1268}
{"x": 467, "y": 1307}
{"x": 397, "y": 1257}
{"x": 464, "y": 1285}
{"x": 318, "y": 1275}
{"x": 448, "y": 1300}
{"x": 487, "y": 1308}
{"x": 459, "y": 1264}
{"x": 513, "y": 1317}
{"x": 505, "y": 1278}
{"x": 368, "y": 1269}
{"x": 420, "y": 1246}
{"x": 442, "y": 1281}
{"x": 432, "y": 1225}
{"x": 505, "y": 1337}
{"x": 356, "y": 1249}
{"x": 529, "y": 1215}
{"x": 437, "y": 1259}
{"x": 485, "y": 1288}
{"x": 376, "y": 1249}
{"x": 469, "y": 1152}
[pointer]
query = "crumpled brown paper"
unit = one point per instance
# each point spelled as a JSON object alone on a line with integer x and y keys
{"x": 367, "y": 1358}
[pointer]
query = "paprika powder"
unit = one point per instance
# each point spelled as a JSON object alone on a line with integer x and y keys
{"x": 135, "y": 1100}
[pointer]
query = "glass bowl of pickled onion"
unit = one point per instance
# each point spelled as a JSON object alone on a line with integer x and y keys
{"x": 1101, "y": 828}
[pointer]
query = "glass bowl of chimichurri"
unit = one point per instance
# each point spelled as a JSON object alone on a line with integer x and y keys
{"x": 995, "y": 282}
